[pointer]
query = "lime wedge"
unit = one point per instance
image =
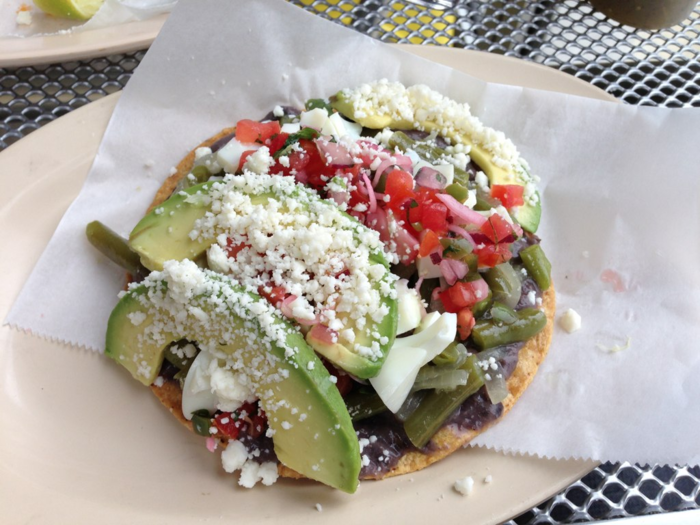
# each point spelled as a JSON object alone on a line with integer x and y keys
{"x": 75, "y": 9}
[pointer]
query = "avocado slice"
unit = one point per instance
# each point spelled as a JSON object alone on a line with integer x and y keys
{"x": 313, "y": 433}
{"x": 527, "y": 215}
{"x": 163, "y": 235}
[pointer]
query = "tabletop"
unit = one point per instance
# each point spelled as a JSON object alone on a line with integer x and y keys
{"x": 658, "y": 68}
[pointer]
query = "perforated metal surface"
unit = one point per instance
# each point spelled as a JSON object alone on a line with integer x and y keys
{"x": 619, "y": 490}
{"x": 639, "y": 67}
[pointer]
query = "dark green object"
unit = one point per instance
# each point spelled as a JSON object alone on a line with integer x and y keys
{"x": 304, "y": 134}
{"x": 318, "y": 103}
{"x": 201, "y": 422}
{"x": 500, "y": 313}
{"x": 490, "y": 333}
{"x": 537, "y": 265}
{"x": 458, "y": 191}
{"x": 115, "y": 248}
{"x": 199, "y": 174}
{"x": 480, "y": 308}
{"x": 448, "y": 356}
{"x": 456, "y": 248}
{"x": 362, "y": 405}
{"x": 427, "y": 419}
{"x": 484, "y": 201}
{"x": 411, "y": 404}
{"x": 174, "y": 359}
{"x": 504, "y": 282}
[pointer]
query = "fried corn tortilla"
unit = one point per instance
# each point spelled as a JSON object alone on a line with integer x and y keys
{"x": 447, "y": 439}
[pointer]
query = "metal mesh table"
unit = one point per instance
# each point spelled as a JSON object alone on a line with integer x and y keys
{"x": 637, "y": 66}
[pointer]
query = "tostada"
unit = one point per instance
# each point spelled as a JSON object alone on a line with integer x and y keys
{"x": 349, "y": 291}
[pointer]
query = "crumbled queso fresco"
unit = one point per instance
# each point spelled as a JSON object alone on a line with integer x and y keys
{"x": 293, "y": 239}
{"x": 187, "y": 302}
{"x": 421, "y": 107}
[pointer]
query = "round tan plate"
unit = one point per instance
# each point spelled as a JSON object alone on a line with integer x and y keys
{"x": 80, "y": 442}
{"x": 123, "y": 38}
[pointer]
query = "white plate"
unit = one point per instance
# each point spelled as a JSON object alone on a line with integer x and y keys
{"x": 51, "y": 49}
{"x": 80, "y": 442}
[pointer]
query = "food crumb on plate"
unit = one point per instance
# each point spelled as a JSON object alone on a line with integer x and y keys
{"x": 488, "y": 479}
{"x": 464, "y": 486}
{"x": 319, "y": 507}
{"x": 24, "y": 15}
{"x": 570, "y": 321}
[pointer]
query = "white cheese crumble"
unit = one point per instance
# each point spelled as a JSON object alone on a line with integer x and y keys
{"x": 295, "y": 240}
{"x": 259, "y": 162}
{"x": 464, "y": 486}
{"x": 319, "y": 507}
{"x": 421, "y": 107}
{"x": 236, "y": 457}
{"x": 24, "y": 18}
{"x": 570, "y": 321}
{"x": 277, "y": 111}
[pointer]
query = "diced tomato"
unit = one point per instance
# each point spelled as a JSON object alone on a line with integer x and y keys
{"x": 429, "y": 242}
{"x": 463, "y": 294}
{"x": 233, "y": 249}
{"x": 427, "y": 195}
{"x": 415, "y": 213}
{"x": 465, "y": 323}
{"x": 493, "y": 254}
{"x": 228, "y": 425}
{"x": 447, "y": 302}
{"x": 277, "y": 142}
{"x": 399, "y": 187}
{"x": 435, "y": 217}
{"x": 497, "y": 229}
{"x": 314, "y": 167}
{"x": 510, "y": 195}
{"x": 244, "y": 157}
{"x": 252, "y": 131}
{"x": 275, "y": 296}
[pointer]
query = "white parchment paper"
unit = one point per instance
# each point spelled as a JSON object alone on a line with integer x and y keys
{"x": 621, "y": 223}
{"x": 112, "y": 12}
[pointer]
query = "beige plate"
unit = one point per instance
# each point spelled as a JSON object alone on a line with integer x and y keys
{"x": 123, "y": 38}
{"x": 80, "y": 442}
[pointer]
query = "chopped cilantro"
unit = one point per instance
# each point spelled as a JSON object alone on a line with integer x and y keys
{"x": 305, "y": 134}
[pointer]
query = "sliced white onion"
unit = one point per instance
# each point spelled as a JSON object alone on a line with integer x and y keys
{"x": 496, "y": 385}
{"x": 398, "y": 373}
{"x": 196, "y": 392}
{"x": 314, "y": 118}
{"x": 339, "y": 127}
{"x": 427, "y": 269}
{"x": 433, "y": 338}
{"x": 291, "y": 127}
{"x": 410, "y": 308}
{"x": 427, "y": 321}
{"x": 229, "y": 157}
{"x": 448, "y": 170}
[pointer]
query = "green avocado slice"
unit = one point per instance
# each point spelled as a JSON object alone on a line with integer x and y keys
{"x": 163, "y": 235}
{"x": 313, "y": 433}
{"x": 528, "y": 215}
